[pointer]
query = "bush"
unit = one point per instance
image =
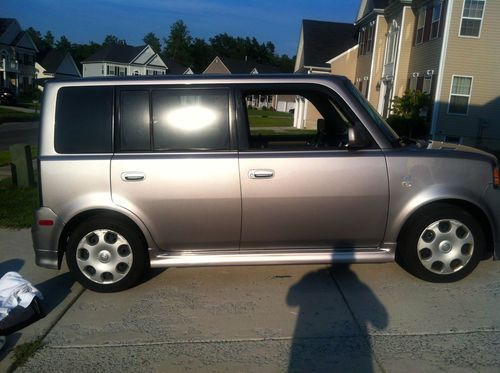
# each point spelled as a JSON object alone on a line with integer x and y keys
{"x": 406, "y": 119}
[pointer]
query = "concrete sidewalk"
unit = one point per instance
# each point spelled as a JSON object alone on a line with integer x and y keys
{"x": 58, "y": 288}
{"x": 17, "y": 108}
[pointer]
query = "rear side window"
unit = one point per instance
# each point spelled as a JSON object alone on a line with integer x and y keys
{"x": 84, "y": 120}
{"x": 195, "y": 119}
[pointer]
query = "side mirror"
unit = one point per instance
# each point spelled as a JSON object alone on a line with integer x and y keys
{"x": 356, "y": 139}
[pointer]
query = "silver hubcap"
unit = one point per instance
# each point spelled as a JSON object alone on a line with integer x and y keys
{"x": 445, "y": 246}
{"x": 104, "y": 256}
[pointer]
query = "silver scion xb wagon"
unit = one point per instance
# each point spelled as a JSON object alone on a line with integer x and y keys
{"x": 224, "y": 170}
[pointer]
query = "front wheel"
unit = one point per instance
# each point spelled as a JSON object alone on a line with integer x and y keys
{"x": 106, "y": 255}
{"x": 441, "y": 243}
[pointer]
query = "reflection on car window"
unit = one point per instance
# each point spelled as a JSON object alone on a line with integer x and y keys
{"x": 184, "y": 120}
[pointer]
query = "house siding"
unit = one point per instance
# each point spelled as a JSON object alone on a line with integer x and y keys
{"x": 216, "y": 67}
{"x": 406, "y": 20}
{"x": 479, "y": 58}
{"x": 346, "y": 65}
{"x": 378, "y": 63}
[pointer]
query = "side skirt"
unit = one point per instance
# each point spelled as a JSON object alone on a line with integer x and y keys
{"x": 380, "y": 255}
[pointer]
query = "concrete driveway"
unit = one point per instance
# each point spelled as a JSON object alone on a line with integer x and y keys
{"x": 276, "y": 318}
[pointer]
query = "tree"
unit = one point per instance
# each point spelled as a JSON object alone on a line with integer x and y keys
{"x": 111, "y": 39}
{"x": 49, "y": 39}
{"x": 153, "y": 41}
{"x": 63, "y": 44}
{"x": 201, "y": 54}
{"x": 178, "y": 43}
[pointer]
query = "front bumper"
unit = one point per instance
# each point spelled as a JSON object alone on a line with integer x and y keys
{"x": 46, "y": 238}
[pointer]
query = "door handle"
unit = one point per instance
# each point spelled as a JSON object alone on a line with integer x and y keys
{"x": 133, "y": 176}
{"x": 260, "y": 174}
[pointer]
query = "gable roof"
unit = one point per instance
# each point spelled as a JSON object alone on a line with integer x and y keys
{"x": 323, "y": 40}
{"x": 246, "y": 67}
{"x": 367, "y": 6}
{"x": 5, "y": 23}
{"x": 175, "y": 67}
{"x": 53, "y": 60}
{"x": 116, "y": 53}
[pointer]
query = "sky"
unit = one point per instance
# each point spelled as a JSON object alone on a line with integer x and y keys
{"x": 82, "y": 21}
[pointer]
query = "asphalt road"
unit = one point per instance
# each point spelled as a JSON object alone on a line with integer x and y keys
{"x": 18, "y": 133}
{"x": 366, "y": 318}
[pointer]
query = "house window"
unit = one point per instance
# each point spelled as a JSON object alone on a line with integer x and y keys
{"x": 102, "y": 70}
{"x": 436, "y": 20}
{"x": 392, "y": 40}
{"x": 420, "y": 25}
{"x": 427, "y": 84}
{"x": 472, "y": 17}
{"x": 361, "y": 41}
{"x": 371, "y": 32}
{"x": 460, "y": 95}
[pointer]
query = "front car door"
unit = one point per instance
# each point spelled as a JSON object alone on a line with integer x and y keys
{"x": 302, "y": 188}
{"x": 175, "y": 168}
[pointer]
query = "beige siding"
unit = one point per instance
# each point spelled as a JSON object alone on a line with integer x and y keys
{"x": 216, "y": 67}
{"x": 345, "y": 64}
{"x": 378, "y": 60}
{"x": 407, "y": 22}
{"x": 312, "y": 117}
{"x": 479, "y": 58}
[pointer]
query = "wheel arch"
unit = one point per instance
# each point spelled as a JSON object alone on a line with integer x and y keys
{"x": 470, "y": 207}
{"x": 84, "y": 215}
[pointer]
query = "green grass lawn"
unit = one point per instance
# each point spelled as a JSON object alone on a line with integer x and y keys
{"x": 16, "y": 205}
{"x": 5, "y": 156}
{"x": 268, "y": 118}
{"x": 9, "y": 115}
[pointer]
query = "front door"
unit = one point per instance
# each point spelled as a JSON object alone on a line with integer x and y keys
{"x": 302, "y": 188}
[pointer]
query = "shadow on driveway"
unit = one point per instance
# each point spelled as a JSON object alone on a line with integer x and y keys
{"x": 323, "y": 339}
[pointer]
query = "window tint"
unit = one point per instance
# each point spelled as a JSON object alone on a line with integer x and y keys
{"x": 134, "y": 121}
{"x": 83, "y": 120}
{"x": 194, "y": 119}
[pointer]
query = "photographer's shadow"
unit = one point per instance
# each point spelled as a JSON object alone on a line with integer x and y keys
{"x": 329, "y": 334}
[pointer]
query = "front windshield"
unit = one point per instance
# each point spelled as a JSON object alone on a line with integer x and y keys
{"x": 374, "y": 115}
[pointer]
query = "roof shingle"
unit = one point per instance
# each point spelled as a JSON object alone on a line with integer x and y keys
{"x": 116, "y": 53}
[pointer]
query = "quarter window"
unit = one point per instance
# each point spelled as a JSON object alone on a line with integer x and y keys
{"x": 190, "y": 120}
{"x": 134, "y": 121}
{"x": 460, "y": 95}
{"x": 84, "y": 120}
{"x": 472, "y": 17}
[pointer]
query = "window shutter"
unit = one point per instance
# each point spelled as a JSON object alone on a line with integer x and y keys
{"x": 428, "y": 24}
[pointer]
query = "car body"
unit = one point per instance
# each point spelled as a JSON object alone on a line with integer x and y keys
{"x": 134, "y": 160}
{"x": 7, "y": 96}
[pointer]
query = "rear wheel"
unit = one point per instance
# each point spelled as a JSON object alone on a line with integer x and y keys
{"x": 106, "y": 255}
{"x": 441, "y": 243}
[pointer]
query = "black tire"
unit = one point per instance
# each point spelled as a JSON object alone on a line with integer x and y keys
{"x": 136, "y": 254}
{"x": 412, "y": 235}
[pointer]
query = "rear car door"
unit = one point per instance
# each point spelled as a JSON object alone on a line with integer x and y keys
{"x": 174, "y": 166}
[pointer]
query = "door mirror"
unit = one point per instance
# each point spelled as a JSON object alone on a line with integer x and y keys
{"x": 356, "y": 139}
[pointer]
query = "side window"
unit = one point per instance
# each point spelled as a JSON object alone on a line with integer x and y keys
{"x": 84, "y": 120}
{"x": 195, "y": 119}
{"x": 295, "y": 121}
{"x": 134, "y": 121}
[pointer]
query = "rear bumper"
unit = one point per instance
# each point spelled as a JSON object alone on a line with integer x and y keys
{"x": 46, "y": 238}
{"x": 492, "y": 198}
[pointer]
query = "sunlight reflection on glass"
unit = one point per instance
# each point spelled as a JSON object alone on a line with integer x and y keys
{"x": 191, "y": 118}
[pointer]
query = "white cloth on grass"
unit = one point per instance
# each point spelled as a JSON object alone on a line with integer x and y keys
{"x": 15, "y": 291}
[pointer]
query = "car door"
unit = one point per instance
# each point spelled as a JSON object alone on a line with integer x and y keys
{"x": 309, "y": 195}
{"x": 175, "y": 169}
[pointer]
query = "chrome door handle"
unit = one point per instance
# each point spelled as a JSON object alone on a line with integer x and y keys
{"x": 260, "y": 174}
{"x": 133, "y": 176}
